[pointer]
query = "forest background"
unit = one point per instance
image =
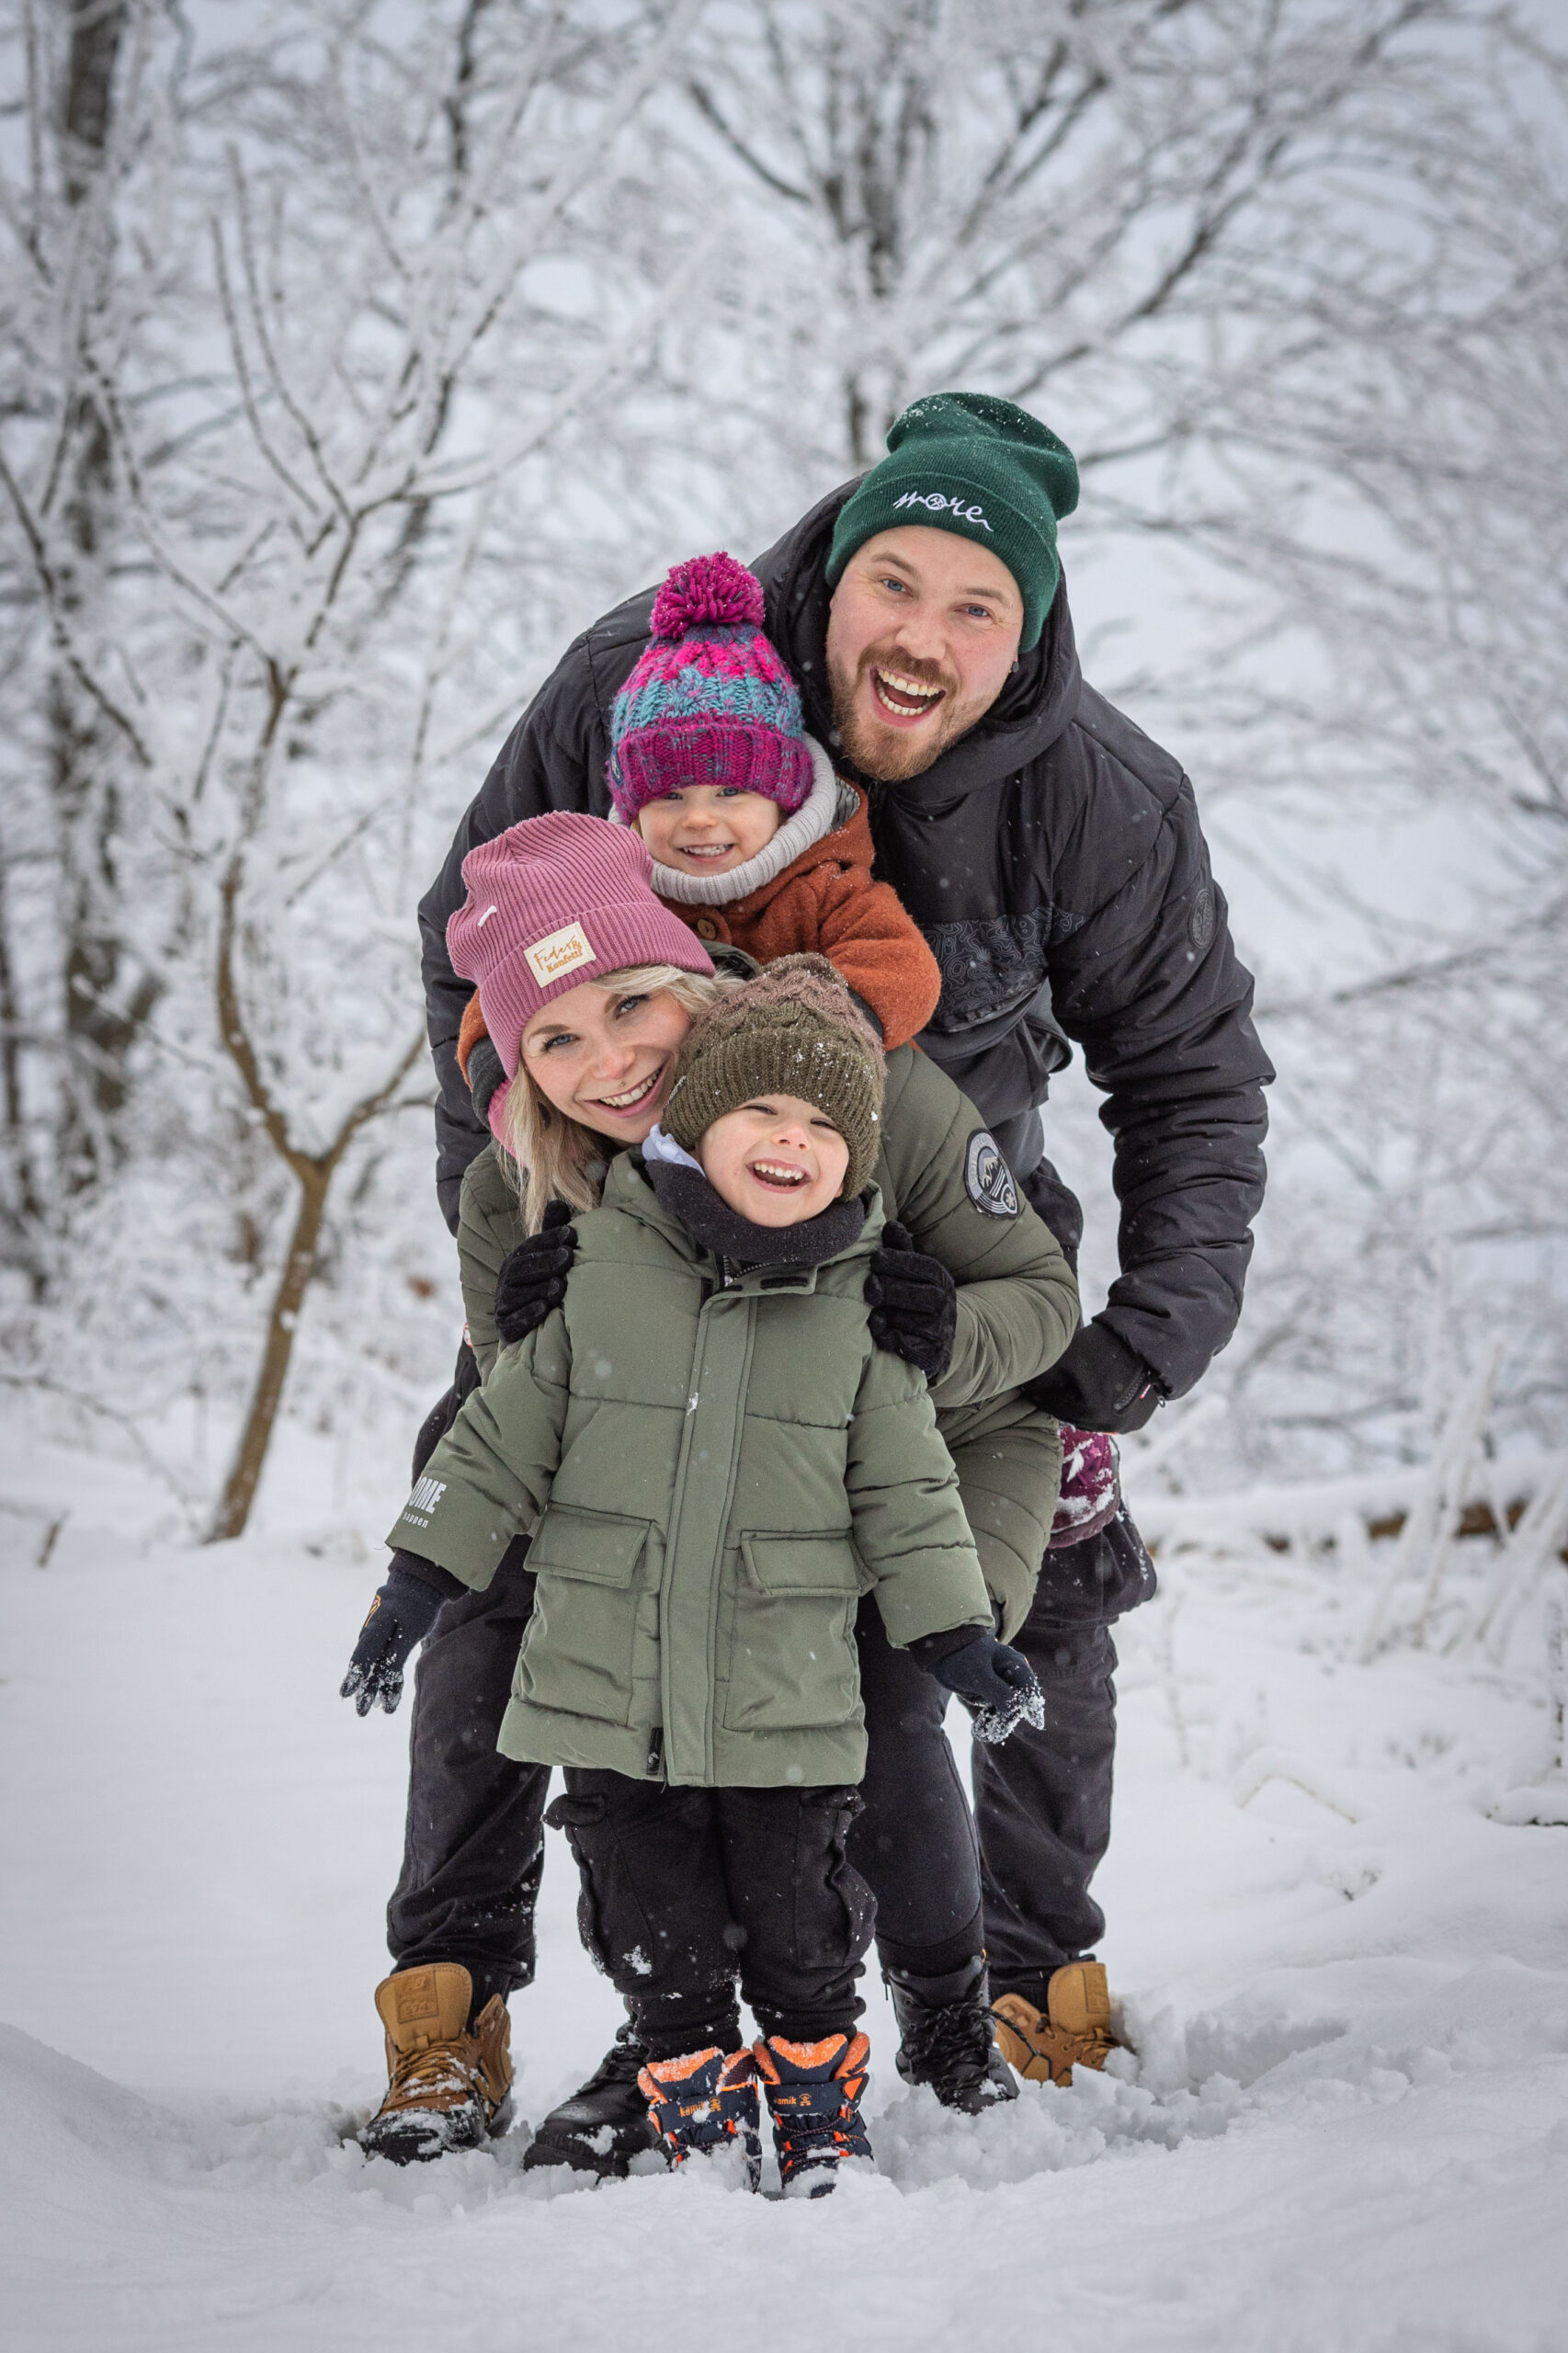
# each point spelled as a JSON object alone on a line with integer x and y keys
{"x": 357, "y": 355}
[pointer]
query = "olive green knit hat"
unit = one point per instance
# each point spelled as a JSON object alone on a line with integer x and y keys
{"x": 793, "y": 1031}
{"x": 966, "y": 462}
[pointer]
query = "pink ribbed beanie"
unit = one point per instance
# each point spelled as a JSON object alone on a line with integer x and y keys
{"x": 554, "y": 901}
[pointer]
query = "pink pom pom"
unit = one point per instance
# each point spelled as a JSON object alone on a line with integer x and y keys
{"x": 708, "y": 590}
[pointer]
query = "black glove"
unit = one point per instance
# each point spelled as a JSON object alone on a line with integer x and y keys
{"x": 400, "y": 1617}
{"x": 486, "y": 1072}
{"x": 914, "y": 1304}
{"x": 1097, "y": 1384}
{"x": 996, "y": 1684}
{"x": 533, "y": 1279}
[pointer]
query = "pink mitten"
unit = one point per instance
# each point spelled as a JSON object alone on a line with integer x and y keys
{"x": 1091, "y": 1491}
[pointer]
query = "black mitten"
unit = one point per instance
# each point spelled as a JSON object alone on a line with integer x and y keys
{"x": 486, "y": 1072}
{"x": 533, "y": 1279}
{"x": 400, "y": 1617}
{"x": 996, "y": 1683}
{"x": 1097, "y": 1383}
{"x": 914, "y": 1304}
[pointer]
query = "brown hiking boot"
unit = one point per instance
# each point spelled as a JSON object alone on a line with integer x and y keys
{"x": 449, "y": 2089}
{"x": 1074, "y": 2031}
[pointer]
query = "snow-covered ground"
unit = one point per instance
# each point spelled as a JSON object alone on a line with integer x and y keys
{"x": 1345, "y": 2128}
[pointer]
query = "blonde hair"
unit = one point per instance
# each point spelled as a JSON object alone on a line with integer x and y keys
{"x": 548, "y": 1157}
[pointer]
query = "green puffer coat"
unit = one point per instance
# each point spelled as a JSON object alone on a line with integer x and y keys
{"x": 1018, "y": 1308}
{"x": 714, "y": 1469}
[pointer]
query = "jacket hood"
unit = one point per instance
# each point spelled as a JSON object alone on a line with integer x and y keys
{"x": 1035, "y": 707}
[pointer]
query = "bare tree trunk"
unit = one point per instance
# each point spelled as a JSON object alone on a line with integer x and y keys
{"x": 87, "y": 101}
{"x": 313, "y": 1171}
{"x": 250, "y": 1455}
{"x": 107, "y": 1002}
{"x": 21, "y": 1208}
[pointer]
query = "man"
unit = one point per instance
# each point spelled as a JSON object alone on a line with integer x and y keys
{"x": 1053, "y": 856}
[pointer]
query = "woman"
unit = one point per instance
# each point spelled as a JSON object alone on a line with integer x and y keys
{"x": 593, "y": 1067}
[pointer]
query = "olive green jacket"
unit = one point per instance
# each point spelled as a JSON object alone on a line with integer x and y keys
{"x": 1018, "y": 1308}
{"x": 715, "y": 1468}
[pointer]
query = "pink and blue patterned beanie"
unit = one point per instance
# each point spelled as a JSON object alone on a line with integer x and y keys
{"x": 710, "y": 702}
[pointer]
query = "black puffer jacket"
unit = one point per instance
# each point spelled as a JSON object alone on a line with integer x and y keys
{"x": 1054, "y": 861}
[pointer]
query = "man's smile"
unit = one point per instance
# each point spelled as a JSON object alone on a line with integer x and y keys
{"x": 903, "y": 697}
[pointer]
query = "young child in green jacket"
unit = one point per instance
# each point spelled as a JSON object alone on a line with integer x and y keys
{"x": 714, "y": 1462}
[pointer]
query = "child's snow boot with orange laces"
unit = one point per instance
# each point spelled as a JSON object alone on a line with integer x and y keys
{"x": 703, "y": 2104}
{"x": 813, "y": 2097}
{"x": 452, "y": 2085}
{"x": 1073, "y": 2030}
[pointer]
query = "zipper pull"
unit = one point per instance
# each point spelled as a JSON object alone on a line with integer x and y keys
{"x": 656, "y": 1753}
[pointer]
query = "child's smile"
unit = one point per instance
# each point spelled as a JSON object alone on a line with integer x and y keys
{"x": 778, "y": 1173}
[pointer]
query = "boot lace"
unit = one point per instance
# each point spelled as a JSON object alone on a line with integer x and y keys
{"x": 952, "y": 2042}
{"x": 439, "y": 2075}
{"x": 621, "y": 2062}
{"x": 810, "y": 2139}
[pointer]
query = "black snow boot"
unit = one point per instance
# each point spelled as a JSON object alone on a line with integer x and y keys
{"x": 948, "y": 2038}
{"x": 601, "y": 2128}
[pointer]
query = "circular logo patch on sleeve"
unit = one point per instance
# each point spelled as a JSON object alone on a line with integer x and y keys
{"x": 988, "y": 1178}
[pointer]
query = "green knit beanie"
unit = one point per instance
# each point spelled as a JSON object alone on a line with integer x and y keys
{"x": 965, "y": 463}
{"x": 793, "y": 1031}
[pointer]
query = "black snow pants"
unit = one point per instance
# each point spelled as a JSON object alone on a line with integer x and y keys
{"x": 474, "y": 1839}
{"x": 1043, "y": 1800}
{"x": 684, "y": 1891}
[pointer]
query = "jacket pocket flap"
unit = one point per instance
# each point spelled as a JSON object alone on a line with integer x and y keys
{"x": 823, "y": 1563}
{"x": 596, "y": 1546}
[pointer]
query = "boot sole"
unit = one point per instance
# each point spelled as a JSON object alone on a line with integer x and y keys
{"x": 614, "y": 2164}
{"x": 974, "y": 2103}
{"x": 415, "y": 2155}
{"x": 967, "y": 2100}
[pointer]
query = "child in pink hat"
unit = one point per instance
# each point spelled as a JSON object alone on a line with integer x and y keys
{"x": 755, "y": 842}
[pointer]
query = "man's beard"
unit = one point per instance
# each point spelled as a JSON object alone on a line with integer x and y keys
{"x": 891, "y": 754}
